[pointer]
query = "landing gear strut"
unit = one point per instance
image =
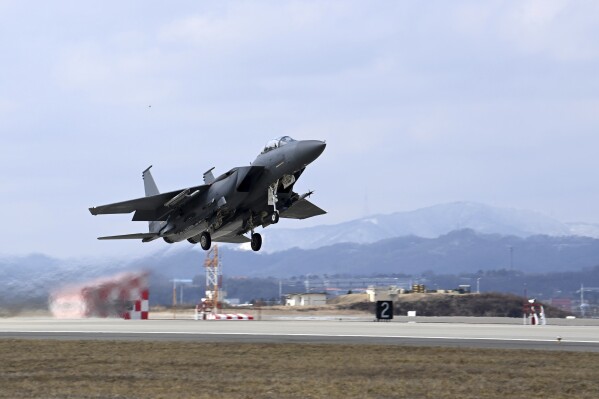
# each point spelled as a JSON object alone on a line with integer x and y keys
{"x": 205, "y": 241}
{"x": 272, "y": 202}
{"x": 256, "y": 243}
{"x": 256, "y": 238}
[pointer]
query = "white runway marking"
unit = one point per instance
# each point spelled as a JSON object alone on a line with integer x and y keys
{"x": 513, "y": 335}
{"x": 189, "y": 333}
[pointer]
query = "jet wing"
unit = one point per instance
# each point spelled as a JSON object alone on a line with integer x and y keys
{"x": 233, "y": 239}
{"x": 153, "y": 208}
{"x": 302, "y": 209}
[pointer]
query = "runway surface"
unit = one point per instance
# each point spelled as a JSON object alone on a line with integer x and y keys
{"x": 506, "y": 336}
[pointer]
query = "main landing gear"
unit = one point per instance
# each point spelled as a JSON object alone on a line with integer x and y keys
{"x": 205, "y": 241}
{"x": 256, "y": 243}
{"x": 255, "y": 238}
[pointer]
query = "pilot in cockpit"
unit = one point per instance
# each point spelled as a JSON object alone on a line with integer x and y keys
{"x": 276, "y": 143}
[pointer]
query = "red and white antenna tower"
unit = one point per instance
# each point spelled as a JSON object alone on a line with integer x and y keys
{"x": 214, "y": 280}
{"x": 208, "y": 309}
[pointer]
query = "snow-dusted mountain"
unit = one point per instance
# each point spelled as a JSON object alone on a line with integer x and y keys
{"x": 584, "y": 229}
{"x": 427, "y": 222}
{"x": 27, "y": 281}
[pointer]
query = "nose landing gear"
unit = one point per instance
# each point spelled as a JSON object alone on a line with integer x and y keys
{"x": 274, "y": 218}
{"x": 272, "y": 202}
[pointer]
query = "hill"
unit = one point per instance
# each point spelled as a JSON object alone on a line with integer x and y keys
{"x": 456, "y": 252}
{"x": 463, "y": 251}
{"x": 429, "y": 222}
{"x": 478, "y": 305}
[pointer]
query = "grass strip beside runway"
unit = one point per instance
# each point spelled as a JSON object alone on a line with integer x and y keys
{"x": 116, "y": 369}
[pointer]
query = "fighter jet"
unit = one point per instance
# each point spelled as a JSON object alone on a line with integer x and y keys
{"x": 226, "y": 208}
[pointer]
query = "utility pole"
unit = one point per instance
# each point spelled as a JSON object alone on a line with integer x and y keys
{"x": 582, "y": 299}
{"x": 174, "y": 293}
{"x": 511, "y": 258}
{"x": 181, "y": 282}
{"x": 280, "y": 291}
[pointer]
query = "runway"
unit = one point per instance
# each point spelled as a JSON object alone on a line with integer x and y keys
{"x": 505, "y": 336}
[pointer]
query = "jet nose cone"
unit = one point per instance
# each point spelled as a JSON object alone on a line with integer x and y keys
{"x": 309, "y": 150}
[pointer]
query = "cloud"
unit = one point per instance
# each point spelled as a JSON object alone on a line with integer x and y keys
{"x": 7, "y": 106}
{"x": 119, "y": 77}
{"x": 560, "y": 30}
{"x": 446, "y": 100}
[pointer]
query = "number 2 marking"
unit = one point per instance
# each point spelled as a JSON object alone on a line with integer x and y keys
{"x": 385, "y": 310}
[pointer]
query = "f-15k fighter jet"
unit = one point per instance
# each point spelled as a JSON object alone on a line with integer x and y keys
{"x": 226, "y": 208}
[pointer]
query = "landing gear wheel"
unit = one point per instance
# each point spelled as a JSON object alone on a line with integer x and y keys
{"x": 205, "y": 241}
{"x": 274, "y": 218}
{"x": 256, "y": 242}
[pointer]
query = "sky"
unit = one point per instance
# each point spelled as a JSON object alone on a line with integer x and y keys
{"x": 420, "y": 103}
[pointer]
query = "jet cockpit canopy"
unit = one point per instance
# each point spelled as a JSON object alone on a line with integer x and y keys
{"x": 276, "y": 143}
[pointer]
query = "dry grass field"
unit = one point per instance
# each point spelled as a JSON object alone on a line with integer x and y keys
{"x": 109, "y": 369}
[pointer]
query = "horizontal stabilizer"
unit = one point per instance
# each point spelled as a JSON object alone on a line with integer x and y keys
{"x": 137, "y": 236}
{"x": 302, "y": 209}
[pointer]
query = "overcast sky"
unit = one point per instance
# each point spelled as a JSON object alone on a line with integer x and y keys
{"x": 420, "y": 103}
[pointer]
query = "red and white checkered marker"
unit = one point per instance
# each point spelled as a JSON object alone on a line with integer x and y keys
{"x": 141, "y": 308}
{"x": 123, "y": 295}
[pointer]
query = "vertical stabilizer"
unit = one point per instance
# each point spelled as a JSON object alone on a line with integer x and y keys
{"x": 209, "y": 177}
{"x": 151, "y": 189}
{"x": 149, "y": 183}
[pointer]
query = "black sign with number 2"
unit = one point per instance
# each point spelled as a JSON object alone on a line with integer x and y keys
{"x": 384, "y": 310}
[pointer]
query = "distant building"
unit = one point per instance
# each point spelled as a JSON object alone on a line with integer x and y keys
{"x": 306, "y": 299}
{"x": 384, "y": 293}
{"x": 334, "y": 286}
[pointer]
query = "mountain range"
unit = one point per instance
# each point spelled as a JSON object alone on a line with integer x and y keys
{"x": 429, "y": 222}
{"x": 457, "y": 252}
{"x": 450, "y": 238}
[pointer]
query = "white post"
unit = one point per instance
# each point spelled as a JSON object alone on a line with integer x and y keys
{"x": 543, "y": 319}
{"x": 581, "y": 299}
